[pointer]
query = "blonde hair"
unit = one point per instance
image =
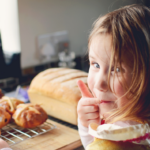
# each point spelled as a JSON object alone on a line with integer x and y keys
{"x": 129, "y": 27}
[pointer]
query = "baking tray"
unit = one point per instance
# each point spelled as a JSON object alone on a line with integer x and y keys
{"x": 14, "y": 134}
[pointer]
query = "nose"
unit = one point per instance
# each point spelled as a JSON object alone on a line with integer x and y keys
{"x": 101, "y": 83}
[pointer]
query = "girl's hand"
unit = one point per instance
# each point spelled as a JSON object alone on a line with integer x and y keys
{"x": 3, "y": 144}
{"x": 88, "y": 106}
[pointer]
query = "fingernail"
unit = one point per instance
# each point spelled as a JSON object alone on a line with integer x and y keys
{"x": 98, "y": 101}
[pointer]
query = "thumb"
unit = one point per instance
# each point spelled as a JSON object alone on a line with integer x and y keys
{"x": 83, "y": 89}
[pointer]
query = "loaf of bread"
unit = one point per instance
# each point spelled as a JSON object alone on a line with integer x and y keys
{"x": 56, "y": 89}
{"x": 29, "y": 115}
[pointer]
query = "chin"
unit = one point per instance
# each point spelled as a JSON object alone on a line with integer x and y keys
{"x": 105, "y": 108}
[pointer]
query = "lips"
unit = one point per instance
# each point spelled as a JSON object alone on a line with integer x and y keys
{"x": 103, "y": 101}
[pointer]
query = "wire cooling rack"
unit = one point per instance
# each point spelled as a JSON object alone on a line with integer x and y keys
{"x": 14, "y": 134}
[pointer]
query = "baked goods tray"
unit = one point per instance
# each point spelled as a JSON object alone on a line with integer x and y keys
{"x": 14, "y": 134}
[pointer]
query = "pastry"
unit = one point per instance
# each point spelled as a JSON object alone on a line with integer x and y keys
{"x": 101, "y": 144}
{"x": 114, "y": 137}
{"x": 5, "y": 117}
{"x": 29, "y": 115}
{"x": 9, "y": 103}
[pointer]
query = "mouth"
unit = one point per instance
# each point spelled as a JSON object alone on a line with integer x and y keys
{"x": 105, "y": 102}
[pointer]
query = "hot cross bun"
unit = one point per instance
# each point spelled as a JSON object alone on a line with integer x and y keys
{"x": 29, "y": 115}
{"x": 9, "y": 103}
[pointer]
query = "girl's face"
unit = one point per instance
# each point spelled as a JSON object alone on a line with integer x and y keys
{"x": 99, "y": 57}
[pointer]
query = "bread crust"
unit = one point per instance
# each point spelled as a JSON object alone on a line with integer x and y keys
{"x": 59, "y": 84}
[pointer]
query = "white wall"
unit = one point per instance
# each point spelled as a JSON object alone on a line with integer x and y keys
{"x": 38, "y": 17}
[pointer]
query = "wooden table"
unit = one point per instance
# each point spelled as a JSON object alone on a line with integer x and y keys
{"x": 61, "y": 138}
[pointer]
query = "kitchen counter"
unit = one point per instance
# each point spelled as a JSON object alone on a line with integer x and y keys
{"x": 60, "y": 138}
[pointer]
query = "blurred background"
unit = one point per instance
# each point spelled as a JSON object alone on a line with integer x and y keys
{"x": 39, "y": 34}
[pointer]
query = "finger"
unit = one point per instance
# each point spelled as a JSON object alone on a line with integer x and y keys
{"x": 97, "y": 121}
{"x": 87, "y": 109}
{"x": 91, "y": 109}
{"x": 89, "y": 101}
{"x": 89, "y": 116}
{"x": 83, "y": 89}
{"x": 92, "y": 116}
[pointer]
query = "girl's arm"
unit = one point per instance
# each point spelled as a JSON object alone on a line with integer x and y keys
{"x": 85, "y": 137}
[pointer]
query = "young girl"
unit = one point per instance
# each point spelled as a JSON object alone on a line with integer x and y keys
{"x": 119, "y": 74}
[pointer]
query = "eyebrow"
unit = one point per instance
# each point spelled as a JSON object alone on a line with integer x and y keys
{"x": 91, "y": 57}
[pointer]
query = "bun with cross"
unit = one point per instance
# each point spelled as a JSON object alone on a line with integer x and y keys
{"x": 10, "y": 103}
{"x": 29, "y": 115}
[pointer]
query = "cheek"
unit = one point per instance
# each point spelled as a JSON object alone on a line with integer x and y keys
{"x": 119, "y": 92}
{"x": 117, "y": 88}
{"x": 90, "y": 81}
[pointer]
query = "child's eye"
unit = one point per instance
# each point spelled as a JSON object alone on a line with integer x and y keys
{"x": 96, "y": 65}
{"x": 117, "y": 69}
